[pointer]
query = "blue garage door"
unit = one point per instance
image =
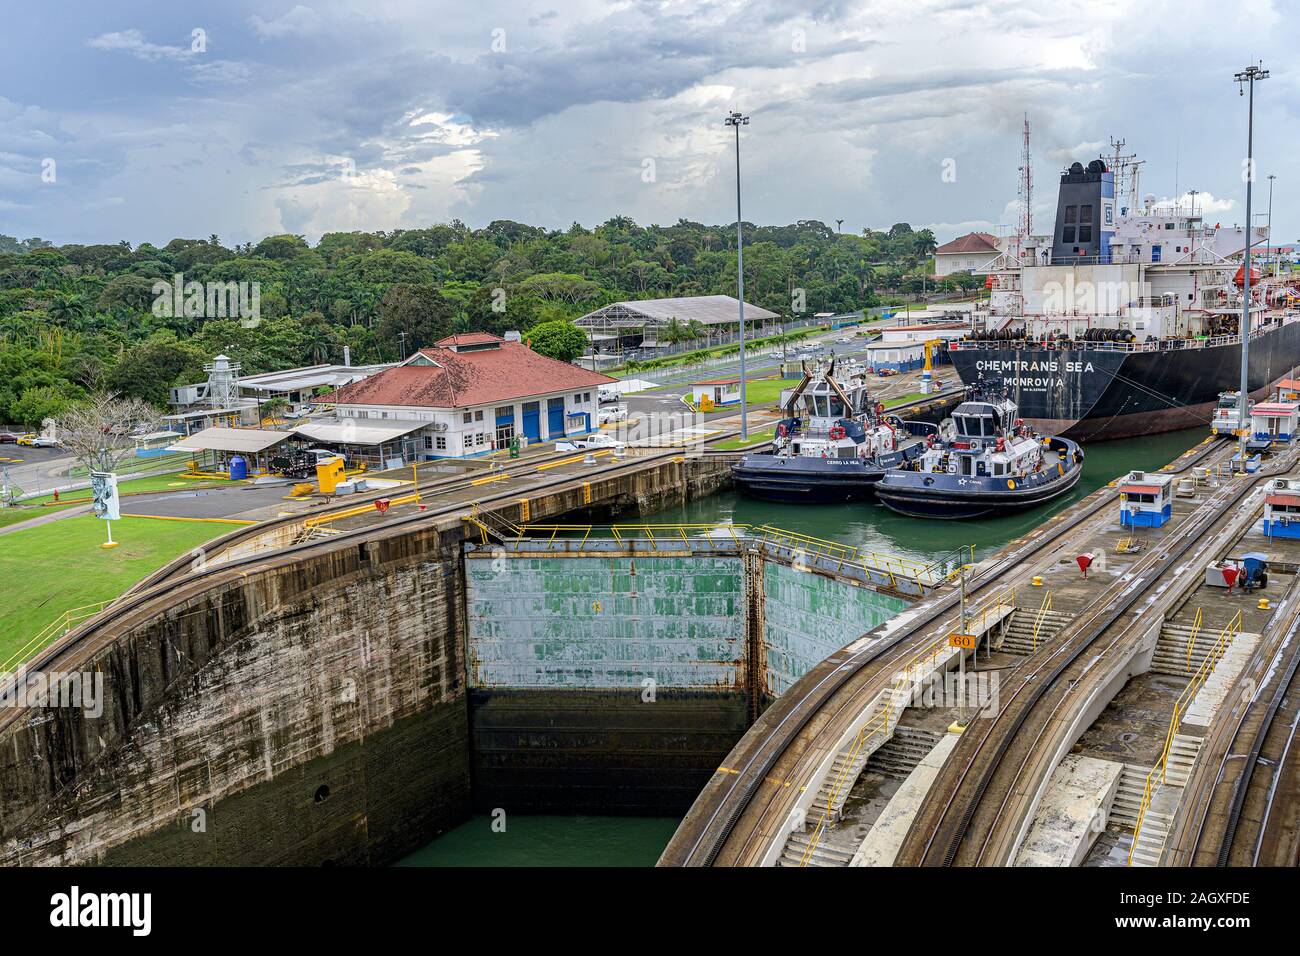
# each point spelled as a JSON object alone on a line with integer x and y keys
{"x": 555, "y": 417}
{"x": 533, "y": 421}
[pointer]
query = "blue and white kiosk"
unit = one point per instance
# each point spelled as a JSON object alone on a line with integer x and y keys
{"x": 1282, "y": 508}
{"x": 1145, "y": 500}
{"x": 1273, "y": 423}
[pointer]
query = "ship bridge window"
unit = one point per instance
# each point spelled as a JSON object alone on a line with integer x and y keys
{"x": 1067, "y": 234}
{"x": 837, "y": 408}
{"x": 1085, "y": 233}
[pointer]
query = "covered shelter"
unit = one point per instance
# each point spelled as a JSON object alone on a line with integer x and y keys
{"x": 640, "y": 323}
{"x": 389, "y": 444}
{"x": 215, "y": 447}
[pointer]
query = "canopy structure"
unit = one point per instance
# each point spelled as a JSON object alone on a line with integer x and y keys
{"x": 245, "y": 440}
{"x": 649, "y": 316}
{"x": 347, "y": 432}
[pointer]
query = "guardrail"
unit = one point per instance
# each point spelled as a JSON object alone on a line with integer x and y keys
{"x": 895, "y": 697}
{"x": 1038, "y": 619}
{"x": 55, "y": 629}
{"x": 1225, "y": 638}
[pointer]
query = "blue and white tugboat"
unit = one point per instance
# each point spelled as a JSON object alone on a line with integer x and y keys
{"x": 985, "y": 460}
{"x": 833, "y": 444}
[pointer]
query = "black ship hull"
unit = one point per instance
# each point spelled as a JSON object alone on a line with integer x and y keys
{"x": 1091, "y": 394}
{"x": 922, "y": 495}
{"x": 807, "y": 480}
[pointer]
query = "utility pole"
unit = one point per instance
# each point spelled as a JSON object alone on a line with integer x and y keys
{"x": 1247, "y": 79}
{"x": 737, "y": 120}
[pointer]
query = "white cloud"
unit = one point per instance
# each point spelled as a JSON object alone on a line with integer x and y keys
{"x": 299, "y": 21}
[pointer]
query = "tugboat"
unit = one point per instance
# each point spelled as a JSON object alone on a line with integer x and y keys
{"x": 985, "y": 460}
{"x": 833, "y": 444}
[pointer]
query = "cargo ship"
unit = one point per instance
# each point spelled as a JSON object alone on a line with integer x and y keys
{"x": 1125, "y": 321}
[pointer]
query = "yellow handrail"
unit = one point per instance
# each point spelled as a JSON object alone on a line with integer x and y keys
{"x": 1038, "y": 619}
{"x": 1191, "y": 638}
{"x": 1221, "y": 643}
{"x": 56, "y": 628}
{"x": 903, "y": 680}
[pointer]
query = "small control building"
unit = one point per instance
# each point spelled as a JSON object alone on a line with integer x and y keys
{"x": 1274, "y": 422}
{"x": 1282, "y": 508}
{"x": 1145, "y": 500}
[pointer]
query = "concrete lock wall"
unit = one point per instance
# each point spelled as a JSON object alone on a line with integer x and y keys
{"x": 808, "y": 617}
{"x": 311, "y": 712}
{"x": 616, "y": 681}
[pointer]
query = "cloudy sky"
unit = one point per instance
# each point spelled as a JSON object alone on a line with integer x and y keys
{"x": 150, "y": 120}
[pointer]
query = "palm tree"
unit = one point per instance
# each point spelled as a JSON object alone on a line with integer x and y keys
{"x": 67, "y": 308}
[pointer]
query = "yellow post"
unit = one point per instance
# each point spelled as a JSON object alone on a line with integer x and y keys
{"x": 415, "y": 479}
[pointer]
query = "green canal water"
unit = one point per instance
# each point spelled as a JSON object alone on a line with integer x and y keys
{"x": 637, "y": 841}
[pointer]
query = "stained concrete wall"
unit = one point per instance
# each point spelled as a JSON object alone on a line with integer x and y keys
{"x": 606, "y": 622}
{"x": 808, "y": 617}
{"x": 311, "y": 712}
{"x": 616, "y": 679}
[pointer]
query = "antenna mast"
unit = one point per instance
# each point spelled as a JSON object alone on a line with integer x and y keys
{"x": 1025, "y": 228}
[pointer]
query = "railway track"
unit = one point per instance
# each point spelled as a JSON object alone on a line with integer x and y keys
{"x": 982, "y": 801}
{"x": 1244, "y": 807}
{"x": 756, "y": 759}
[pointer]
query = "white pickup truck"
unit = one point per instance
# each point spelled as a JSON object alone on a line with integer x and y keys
{"x": 589, "y": 443}
{"x": 611, "y": 413}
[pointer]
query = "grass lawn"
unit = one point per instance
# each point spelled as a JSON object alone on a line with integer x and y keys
{"x": 909, "y": 397}
{"x": 761, "y": 391}
{"x": 171, "y": 482}
{"x": 755, "y": 438}
{"x": 61, "y": 566}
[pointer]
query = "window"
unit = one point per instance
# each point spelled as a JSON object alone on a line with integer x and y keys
{"x": 1071, "y": 214}
{"x": 586, "y": 396}
{"x": 1085, "y": 214}
{"x": 478, "y": 415}
{"x": 577, "y": 398}
{"x": 480, "y": 438}
{"x": 428, "y": 443}
{"x": 1067, "y": 234}
{"x": 1085, "y": 233}
{"x": 467, "y": 418}
{"x": 440, "y": 443}
{"x": 469, "y": 441}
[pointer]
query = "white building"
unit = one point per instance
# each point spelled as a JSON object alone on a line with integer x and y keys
{"x": 967, "y": 253}
{"x": 467, "y": 395}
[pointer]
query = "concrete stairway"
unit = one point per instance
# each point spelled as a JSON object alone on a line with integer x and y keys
{"x": 846, "y": 769}
{"x": 1182, "y": 756}
{"x": 1171, "y": 654}
{"x": 1019, "y": 637}
{"x": 824, "y": 853}
{"x": 1128, "y": 798}
{"x": 1155, "y": 826}
{"x": 899, "y": 755}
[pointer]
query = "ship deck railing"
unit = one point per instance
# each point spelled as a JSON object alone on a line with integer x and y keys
{"x": 1162, "y": 345}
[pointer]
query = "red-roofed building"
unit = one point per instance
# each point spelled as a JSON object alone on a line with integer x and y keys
{"x": 971, "y": 251}
{"x": 468, "y": 395}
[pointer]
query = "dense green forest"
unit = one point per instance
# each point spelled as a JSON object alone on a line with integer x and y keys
{"x": 81, "y": 318}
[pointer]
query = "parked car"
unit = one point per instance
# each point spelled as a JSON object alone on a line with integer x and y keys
{"x": 589, "y": 442}
{"x": 9, "y": 437}
{"x": 611, "y": 413}
{"x": 324, "y": 454}
{"x": 29, "y": 439}
{"x": 886, "y": 372}
{"x": 607, "y": 394}
{"x": 42, "y": 442}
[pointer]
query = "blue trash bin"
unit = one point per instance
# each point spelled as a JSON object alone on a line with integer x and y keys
{"x": 238, "y": 468}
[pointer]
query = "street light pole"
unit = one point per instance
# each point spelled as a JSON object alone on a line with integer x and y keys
{"x": 737, "y": 120}
{"x": 1246, "y": 79}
